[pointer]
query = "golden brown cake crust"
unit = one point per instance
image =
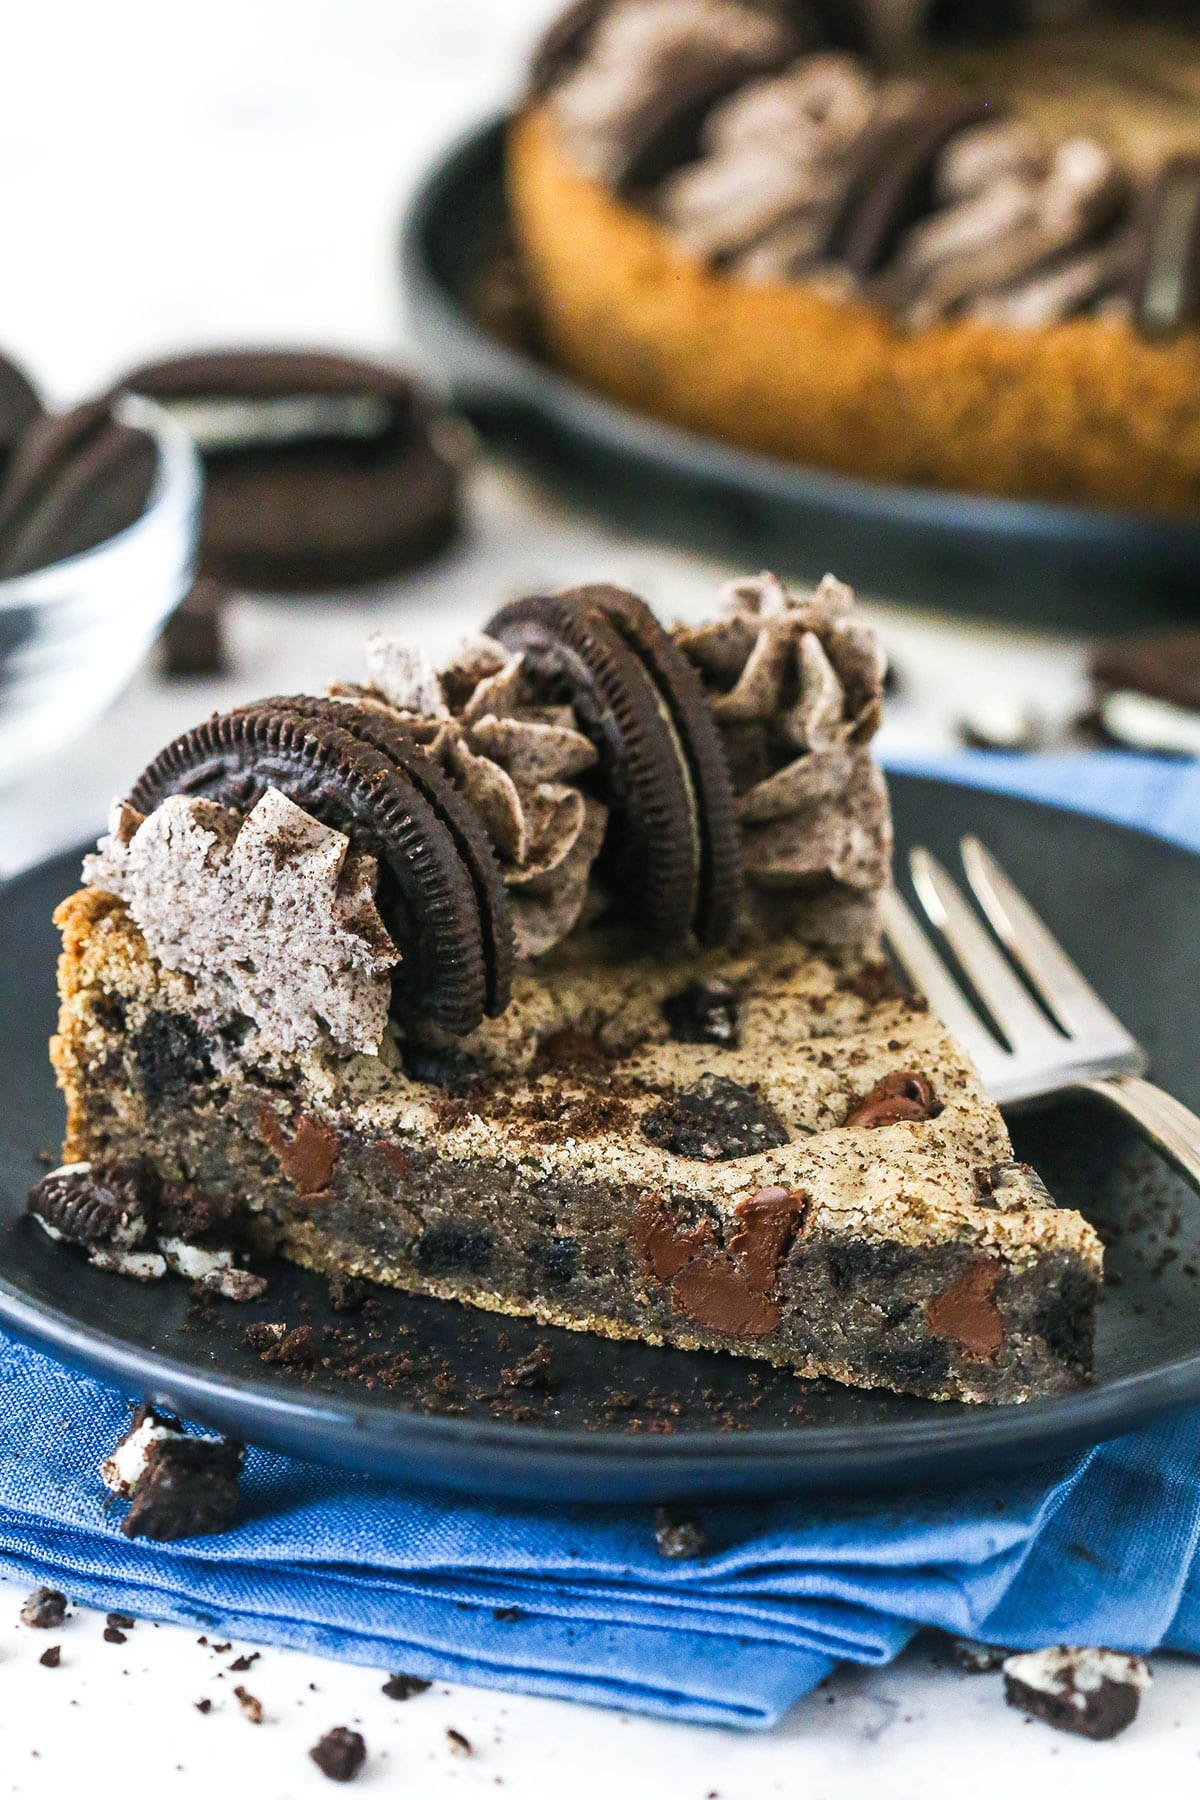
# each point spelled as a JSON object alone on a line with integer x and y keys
{"x": 1084, "y": 410}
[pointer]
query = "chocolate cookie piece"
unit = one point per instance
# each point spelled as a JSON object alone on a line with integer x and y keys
{"x": 373, "y": 727}
{"x": 893, "y": 179}
{"x": 1165, "y": 665}
{"x": 189, "y": 1489}
{"x": 721, "y": 885}
{"x": 426, "y": 894}
{"x": 651, "y": 857}
{"x": 703, "y": 1014}
{"x": 340, "y": 1754}
{"x": 86, "y": 1204}
{"x": 19, "y": 407}
{"x": 193, "y": 638}
{"x": 75, "y": 480}
{"x": 1164, "y": 281}
{"x": 45, "y": 1609}
{"x": 715, "y": 1121}
{"x": 1091, "y": 1693}
{"x": 320, "y": 470}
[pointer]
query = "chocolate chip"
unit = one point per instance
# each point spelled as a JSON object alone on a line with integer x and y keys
{"x": 94, "y": 1205}
{"x": 193, "y": 638}
{"x": 900, "y": 1097}
{"x": 391, "y": 802}
{"x": 714, "y": 1120}
{"x": 51, "y": 1658}
{"x": 189, "y": 1489}
{"x": 340, "y": 1754}
{"x": 703, "y": 1014}
{"x": 1091, "y": 1693}
{"x": 679, "y": 1535}
{"x": 45, "y": 1608}
{"x": 403, "y": 1687}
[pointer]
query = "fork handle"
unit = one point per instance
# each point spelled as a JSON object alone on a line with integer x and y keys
{"x": 1165, "y": 1121}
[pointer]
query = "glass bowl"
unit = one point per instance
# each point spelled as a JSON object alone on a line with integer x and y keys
{"x": 72, "y": 635}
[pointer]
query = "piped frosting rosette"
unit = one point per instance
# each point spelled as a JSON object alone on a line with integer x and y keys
{"x": 514, "y": 761}
{"x": 796, "y": 686}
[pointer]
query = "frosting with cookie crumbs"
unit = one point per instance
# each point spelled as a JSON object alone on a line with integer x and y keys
{"x": 1007, "y": 222}
{"x": 272, "y": 916}
{"x": 515, "y": 761}
{"x": 796, "y": 685}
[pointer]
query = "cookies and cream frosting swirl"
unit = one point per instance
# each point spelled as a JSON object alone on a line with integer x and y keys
{"x": 515, "y": 762}
{"x": 796, "y": 685}
{"x": 766, "y": 171}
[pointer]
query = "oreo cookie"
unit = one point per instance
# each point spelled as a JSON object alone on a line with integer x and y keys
{"x": 19, "y": 407}
{"x": 452, "y": 969}
{"x": 893, "y": 179}
{"x": 75, "y": 480}
{"x": 320, "y": 470}
{"x": 1164, "y": 283}
{"x": 596, "y": 649}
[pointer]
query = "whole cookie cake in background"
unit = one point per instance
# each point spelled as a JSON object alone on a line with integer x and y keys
{"x": 956, "y": 247}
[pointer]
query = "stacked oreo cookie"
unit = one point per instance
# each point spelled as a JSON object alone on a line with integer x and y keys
{"x": 672, "y": 852}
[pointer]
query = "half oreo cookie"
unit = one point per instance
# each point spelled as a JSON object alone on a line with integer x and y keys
{"x": 320, "y": 470}
{"x": 671, "y": 854}
{"x": 427, "y": 893}
{"x": 75, "y": 480}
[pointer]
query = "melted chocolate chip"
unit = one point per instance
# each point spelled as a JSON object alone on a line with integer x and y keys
{"x": 714, "y": 1121}
{"x": 904, "y": 1096}
{"x": 703, "y": 1014}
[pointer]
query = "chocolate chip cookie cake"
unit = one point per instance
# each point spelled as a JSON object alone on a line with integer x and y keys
{"x": 945, "y": 245}
{"x": 550, "y": 981}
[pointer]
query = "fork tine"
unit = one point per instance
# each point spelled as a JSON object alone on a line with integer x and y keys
{"x": 1021, "y": 1021}
{"x": 1072, "y": 999}
{"x": 927, "y": 972}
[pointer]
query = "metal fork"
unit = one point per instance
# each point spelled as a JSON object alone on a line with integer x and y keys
{"x": 1086, "y": 1048}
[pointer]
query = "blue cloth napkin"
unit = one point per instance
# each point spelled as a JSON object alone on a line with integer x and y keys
{"x": 1101, "y": 1550}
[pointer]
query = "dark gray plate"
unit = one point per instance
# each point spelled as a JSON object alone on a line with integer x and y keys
{"x": 630, "y": 1422}
{"x": 1040, "y": 564}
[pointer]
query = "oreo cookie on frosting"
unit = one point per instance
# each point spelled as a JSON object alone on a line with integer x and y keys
{"x": 320, "y": 470}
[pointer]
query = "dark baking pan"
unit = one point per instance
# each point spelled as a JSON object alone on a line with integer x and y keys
{"x": 627, "y": 1421}
{"x": 1027, "y": 562}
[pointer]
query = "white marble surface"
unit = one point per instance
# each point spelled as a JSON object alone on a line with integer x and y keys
{"x": 172, "y": 176}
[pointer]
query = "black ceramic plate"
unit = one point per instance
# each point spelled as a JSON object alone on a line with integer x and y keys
{"x": 1038, "y": 564}
{"x": 628, "y": 1421}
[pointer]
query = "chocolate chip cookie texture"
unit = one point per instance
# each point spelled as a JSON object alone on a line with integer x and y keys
{"x": 985, "y": 239}
{"x": 366, "y": 982}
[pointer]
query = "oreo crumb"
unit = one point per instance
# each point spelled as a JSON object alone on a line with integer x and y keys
{"x": 340, "y": 1754}
{"x": 507, "y": 1615}
{"x": 347, "y": 1293}
{"x": 51, "y": 1658}
{"x": 189, "y": 1489}
{"x": 678, "y": 1535}
{"x": 251, "y": 1705}
{"x": 459, "y": 1745}
{"x": 403, "y": 1687}
{"x": 1090, "y": 1692}
{"x": 299, "y": 1348}
{"x": 264, "y": 1335}
{"x": 240, "y": 1664}
{"x": 702, "y": 1014}
{"x": 715, "y": 1120}
{"x": 120, "y": 1621}
{"x": 46, "y": 1608}
{"x": 533, "y": 1371}
{"x": 974, "y": 1658}
{"x": 113, "y": 1636}
{"x": 204, "y": 1706}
